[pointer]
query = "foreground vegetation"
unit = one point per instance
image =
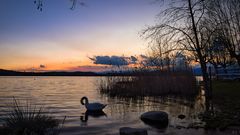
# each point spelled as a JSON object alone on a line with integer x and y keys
{"x": 28, "y": 120}
{"x": 224, "y": 109}
{"x": 226, "y": 90}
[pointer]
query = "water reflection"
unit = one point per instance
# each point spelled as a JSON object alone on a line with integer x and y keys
{"x": 94, "y": 114}
{"x": 61, "y": 95}
{"x": 126, "y": 109}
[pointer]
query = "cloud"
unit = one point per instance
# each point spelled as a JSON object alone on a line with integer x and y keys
{"x": 143, "y": 56}
{"x": 111, "y": 60}
{"x": 39, "y": 68}
{"x": 42, "y": 66}
{"x": 123, "y": 60}
{"x": 133, "y": 59}
{"x": 148, "y": 61}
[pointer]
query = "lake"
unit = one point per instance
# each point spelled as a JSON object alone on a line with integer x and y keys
{"x": 60, "y": 97}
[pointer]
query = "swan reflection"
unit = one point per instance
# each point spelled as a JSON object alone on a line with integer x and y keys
{"x": 94, "y": 114}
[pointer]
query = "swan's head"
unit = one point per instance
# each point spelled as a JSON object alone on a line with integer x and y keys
{"x": 84, "y": 100}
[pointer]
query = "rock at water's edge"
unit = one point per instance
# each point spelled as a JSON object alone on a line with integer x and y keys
{"x": 181, "y": 116}
{"x": 132, "y": 131}
{"x": 155, "y": 118}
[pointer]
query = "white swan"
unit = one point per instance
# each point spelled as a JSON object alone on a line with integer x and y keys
{"x": 92, "y": 106}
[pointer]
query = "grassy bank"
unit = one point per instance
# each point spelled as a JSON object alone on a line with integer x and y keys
{"x": 228, "y": 90}
{"x": 225, "y": 105}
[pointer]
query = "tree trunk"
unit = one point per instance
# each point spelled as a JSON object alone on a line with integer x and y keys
{"x": 216, "y": 70}
{"x": 205, "y": 79}
{"x": 238, "y": 60}
{"x": 199, "y": 53}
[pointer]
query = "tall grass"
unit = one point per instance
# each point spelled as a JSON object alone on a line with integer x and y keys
{"x": 152, "y": 85}
{"x": 29, "y": 120}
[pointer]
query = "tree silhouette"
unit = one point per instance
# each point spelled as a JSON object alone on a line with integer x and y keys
{"x": 39, "y": 4}
{"x": 182, "y": 27}
{"x": 224, "y": 15}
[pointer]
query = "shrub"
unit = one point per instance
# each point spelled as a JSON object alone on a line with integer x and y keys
{"x": 29, "y": 120}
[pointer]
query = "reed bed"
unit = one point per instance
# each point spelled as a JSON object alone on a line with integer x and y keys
{"x": 152, "y": 85}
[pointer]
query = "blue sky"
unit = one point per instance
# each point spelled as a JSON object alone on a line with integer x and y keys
{"x": 61, "y": 38}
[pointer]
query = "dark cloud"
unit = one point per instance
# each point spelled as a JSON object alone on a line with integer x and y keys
{"x": 133, "y": 59}
{"x": 143, "y": 56}
{"x": 124, "y": 61}
{"x": 148, "y": 61}
{"x": 110, "y": 60}
{"x": 42, "y": 66}
{"x": 114, "y": 60}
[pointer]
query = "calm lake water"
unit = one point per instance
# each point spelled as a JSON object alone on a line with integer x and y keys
{"x": 60, "y": 96}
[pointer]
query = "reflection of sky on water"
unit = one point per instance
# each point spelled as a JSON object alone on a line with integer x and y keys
{"x": 60, "y": 96}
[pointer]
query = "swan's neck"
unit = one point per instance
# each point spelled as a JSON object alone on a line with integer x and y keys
{"x": 84, "y": 101}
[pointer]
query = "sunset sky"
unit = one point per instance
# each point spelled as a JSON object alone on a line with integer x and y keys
{"x": 59, "y": 38}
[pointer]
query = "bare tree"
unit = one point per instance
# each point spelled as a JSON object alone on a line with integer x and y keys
{"x": 219, "y": 55}
{"x": 39, "y": 4}
{"x": 182, "y": 28}
{"x": 74, "y": 3}
{"x": 224, "y": 15}
{"x": 160, "y": 56}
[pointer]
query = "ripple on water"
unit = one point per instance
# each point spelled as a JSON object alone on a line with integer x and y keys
{"x": 60, "y": 96}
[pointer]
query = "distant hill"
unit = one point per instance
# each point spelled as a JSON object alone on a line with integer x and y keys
{"x": 8, "y": 72}
{"x": 4, "y": 72}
